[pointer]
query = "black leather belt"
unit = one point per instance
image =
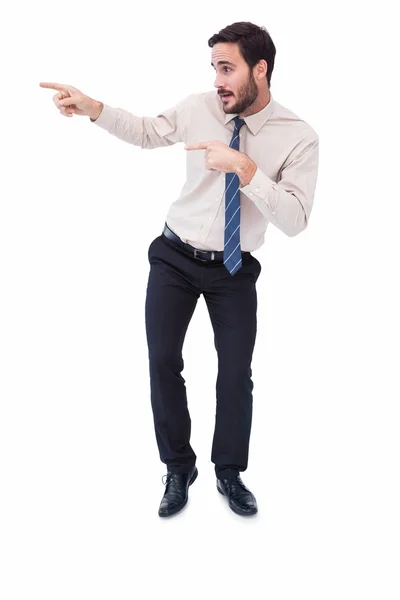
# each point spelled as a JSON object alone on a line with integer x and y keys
{"x": 203, "y": 255}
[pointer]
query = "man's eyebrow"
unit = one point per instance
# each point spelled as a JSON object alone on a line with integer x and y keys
{"x": 224, "y": 62}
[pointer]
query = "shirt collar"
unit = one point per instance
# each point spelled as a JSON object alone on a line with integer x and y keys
{"x": 256, "y": 121}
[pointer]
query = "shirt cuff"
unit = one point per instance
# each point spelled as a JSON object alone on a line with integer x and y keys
{"x": 106, "y": 118}
{"x": 259, "y": 190}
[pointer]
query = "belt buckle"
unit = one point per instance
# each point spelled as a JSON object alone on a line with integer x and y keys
{"x": 204, "y": 252}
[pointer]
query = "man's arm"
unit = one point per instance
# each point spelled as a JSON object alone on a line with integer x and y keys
{"x": 287, "y": 203}
{"x": 165, "y": 129}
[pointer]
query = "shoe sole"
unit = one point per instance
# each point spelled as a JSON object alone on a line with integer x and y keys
{"x": 238, "y": 512}
{"x": 174, "y": 512}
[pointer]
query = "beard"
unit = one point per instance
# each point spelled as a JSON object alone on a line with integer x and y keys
{"x": 247, "y": 95}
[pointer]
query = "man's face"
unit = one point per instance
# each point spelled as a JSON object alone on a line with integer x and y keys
{"x": 235, "y": 79}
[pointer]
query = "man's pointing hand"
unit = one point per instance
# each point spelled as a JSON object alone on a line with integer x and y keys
{"x": 218, "y": 156}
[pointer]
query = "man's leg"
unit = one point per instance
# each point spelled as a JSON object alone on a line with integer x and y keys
{"x": 170, "y": 303}
{"x": 232, "y": 305}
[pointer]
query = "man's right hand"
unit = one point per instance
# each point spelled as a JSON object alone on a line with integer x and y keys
{"x": 71, "y": 101}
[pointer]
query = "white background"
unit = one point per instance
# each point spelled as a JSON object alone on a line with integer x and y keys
{"x": 80, "y": 474}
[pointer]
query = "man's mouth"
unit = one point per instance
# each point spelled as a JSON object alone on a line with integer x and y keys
{"x": 225, "y": 96}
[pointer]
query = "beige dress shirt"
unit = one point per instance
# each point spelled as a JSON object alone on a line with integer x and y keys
{"x": 282, "y": 145}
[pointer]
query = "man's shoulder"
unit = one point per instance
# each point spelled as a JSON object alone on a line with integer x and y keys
{"x": 201, "y": 104}
{"x": 291, "y": 119}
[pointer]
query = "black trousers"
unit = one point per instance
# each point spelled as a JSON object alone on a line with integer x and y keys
{"x": 175, "y": 283}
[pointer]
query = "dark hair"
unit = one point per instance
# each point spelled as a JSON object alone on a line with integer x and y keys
{"x": 254, "y": 43}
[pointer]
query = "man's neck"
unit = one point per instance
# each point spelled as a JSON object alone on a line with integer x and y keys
{"x": 261, "y": 102}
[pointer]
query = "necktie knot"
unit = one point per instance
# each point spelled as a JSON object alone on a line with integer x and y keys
{"x": 239, "y": 123}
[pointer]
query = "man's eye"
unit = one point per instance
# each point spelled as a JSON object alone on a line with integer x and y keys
{"x": 224, "y": 68}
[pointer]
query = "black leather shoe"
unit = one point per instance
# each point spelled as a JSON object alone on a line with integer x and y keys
{"x": 240, "y": 498}
{"x": 176, "y": 492}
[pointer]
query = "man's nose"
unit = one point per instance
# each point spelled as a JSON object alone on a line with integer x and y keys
{"x": 218, "y": 83}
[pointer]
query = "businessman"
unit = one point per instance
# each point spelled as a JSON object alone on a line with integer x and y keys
{"x": 250, "y": 162}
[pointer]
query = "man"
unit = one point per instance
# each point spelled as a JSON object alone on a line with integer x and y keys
{"x": 250, "y": 162}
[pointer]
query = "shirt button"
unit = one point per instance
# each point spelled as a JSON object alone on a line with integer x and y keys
{"x": 251, "y": 194}
{"x": 210, "y": 218}
{"x": 257, "y": 189}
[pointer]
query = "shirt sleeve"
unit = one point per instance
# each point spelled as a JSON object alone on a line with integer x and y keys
{"x": 287, "y": 203}
{"x": 167, "y": 128}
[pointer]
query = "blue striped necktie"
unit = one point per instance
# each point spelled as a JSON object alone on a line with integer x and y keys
{"x": 232, "y": 250}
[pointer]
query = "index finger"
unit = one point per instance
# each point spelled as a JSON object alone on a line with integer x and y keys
{"x": 199, "y": 146}
{"x": 56, "y": 86}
